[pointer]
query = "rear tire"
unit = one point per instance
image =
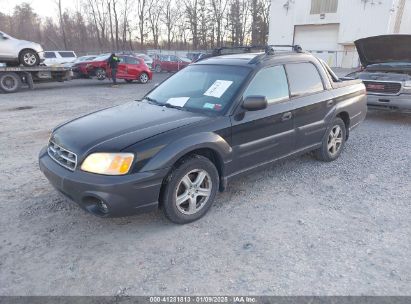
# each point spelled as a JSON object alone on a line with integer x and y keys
{"x": 29, "y": 58}
{"x": 10, "y": 82}
{"x": 101, "y": 74}
{"x": 144, "y": 78}
{"x": 190, "y": 190}
{"x": 333, "y": 141}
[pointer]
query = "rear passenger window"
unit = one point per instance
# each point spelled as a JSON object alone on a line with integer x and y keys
{"x": 49, "y": 55}
{"x": 304, "y": 79}
{"x": 67, "y": 54}
{"x": 270, "y": 82}
{"x": 131, "y": 60}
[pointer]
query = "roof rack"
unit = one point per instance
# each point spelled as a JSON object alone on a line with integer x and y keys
{"x": 270, "y": 49}
{"x": 267, "y": 49}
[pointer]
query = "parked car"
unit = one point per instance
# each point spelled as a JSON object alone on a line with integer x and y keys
{"x": 15, "y": 52}
{"x": 147, "y": 59}
{"x": 386, "y": 73}
{"x": 130, "y": 68}
{"x": 213, "y": 121}
{"x": 81, "y": 59}
{"x": 59, "y": 57}
{"x": 169, "y": 63}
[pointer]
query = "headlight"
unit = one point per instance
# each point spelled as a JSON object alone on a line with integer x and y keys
{"x": 407, "y": 84}
{"x": 108, "y": 163}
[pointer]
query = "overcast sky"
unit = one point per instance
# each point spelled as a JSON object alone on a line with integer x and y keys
{"x": 44, "y": 8}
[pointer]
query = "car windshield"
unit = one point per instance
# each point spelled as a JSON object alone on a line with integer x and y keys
{"x": 205, "y": 88}
{"x": 390, "y": 64}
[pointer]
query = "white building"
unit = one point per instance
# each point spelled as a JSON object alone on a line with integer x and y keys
{"x": 328, "y": 28}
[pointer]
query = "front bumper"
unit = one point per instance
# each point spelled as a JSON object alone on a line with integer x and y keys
{"x": 390, "y": 102}
{"x": 124, "y": 195}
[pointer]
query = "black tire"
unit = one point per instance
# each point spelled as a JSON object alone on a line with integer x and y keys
{"x": 144, "y": 78}
{"x": 158, "y": 68}
{"x": 101, "y": 74}
{"x": 10, "y": 82}
{"x": 175, "y": 186}
{"x": 29, "y": 58}
{"x": 332, "y": 144}
{"x": 129, "y": 80}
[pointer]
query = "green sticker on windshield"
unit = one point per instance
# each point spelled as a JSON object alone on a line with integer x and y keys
{"x": 209, "y": 106}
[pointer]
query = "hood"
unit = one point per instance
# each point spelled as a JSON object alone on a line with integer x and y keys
{"x": 384, "y": 49}
{"x": 116, "y": 128}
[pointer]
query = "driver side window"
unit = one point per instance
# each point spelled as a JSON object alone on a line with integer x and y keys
{"x": 270, "y": 82}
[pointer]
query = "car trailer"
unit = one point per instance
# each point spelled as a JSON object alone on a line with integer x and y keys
{"x": 13, "y": 78}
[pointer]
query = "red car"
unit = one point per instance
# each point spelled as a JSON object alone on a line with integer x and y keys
{"x": 169, "y": 63}
{"x": 129, "y": 68}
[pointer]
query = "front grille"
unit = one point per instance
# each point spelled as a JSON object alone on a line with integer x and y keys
{"x": 383, "y": 87}
{"x": 62, "y": 156}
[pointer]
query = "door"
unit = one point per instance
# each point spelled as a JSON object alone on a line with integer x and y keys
{"x": 8, "y": 47}
{"x": 312, "y": 103}
{"x": 133, "y": 67}
{"x": 262, "y": 136}
{"x": 122, "y": 68}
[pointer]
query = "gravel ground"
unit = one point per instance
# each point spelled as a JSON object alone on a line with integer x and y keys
{"x": 301, "y": 227}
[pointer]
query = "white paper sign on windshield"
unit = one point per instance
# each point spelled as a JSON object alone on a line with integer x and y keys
{"x": 178, "y": 101}
{"x": 218, "y": 88}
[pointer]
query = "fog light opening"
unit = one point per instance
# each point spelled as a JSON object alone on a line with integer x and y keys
{"x": 102, "y": 206}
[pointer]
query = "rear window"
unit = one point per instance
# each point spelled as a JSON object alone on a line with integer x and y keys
{"x": 49, "y": 55}
{"x": 67, "y": 54}
{"x": 304, "y": 79}
{"x": 132, "y": 60}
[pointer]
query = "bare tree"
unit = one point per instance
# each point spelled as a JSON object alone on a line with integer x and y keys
{"x": 62, "y": 27}
{"x": 154, "y": 14}
{"x": 218, "y": 9}
{"x": 170, "y": 16}
{"x": 191, "y": 9}
{"x": 143, "y": 6}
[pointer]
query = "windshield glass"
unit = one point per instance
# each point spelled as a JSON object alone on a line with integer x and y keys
{"x": 206, "y": 88}
{"x": 390, "y": 64}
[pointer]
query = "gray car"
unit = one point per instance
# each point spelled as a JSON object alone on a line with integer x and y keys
{"x": 386, "y": 73}
{"x": 14, "y": 51}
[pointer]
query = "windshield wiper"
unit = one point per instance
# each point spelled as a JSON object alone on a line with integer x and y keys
{"x": 173, "y": 106}
{"x": 153, "y": 101}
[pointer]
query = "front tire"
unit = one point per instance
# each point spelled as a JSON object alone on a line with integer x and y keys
{"x": 29, "y": 58}
{"x": 190, "y": 190}
{"x": 158, "y": 68}
{"x": 333, "y": 141}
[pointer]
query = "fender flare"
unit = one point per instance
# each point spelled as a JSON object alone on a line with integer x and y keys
{"x": 169, "y": 155}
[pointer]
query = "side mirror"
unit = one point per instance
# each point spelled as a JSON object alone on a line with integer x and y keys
{"x": 255, "y": 103}
{"x": 5, "y": 38}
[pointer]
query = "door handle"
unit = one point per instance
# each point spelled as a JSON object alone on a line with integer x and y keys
{"x": 287, "y": 116}
{"x": 330, "y": 103}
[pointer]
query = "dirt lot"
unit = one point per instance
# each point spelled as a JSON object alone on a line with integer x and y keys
{"x": 300, "y": 227}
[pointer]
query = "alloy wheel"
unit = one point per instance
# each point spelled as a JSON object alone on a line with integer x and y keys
{"x": 29, "y": 59}
{"x": 193, "y": 191}
{"x": 335, "y": 140}
{"x": 143, "y": 78}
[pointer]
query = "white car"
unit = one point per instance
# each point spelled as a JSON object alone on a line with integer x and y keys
{"x": 147, "y": 59}
{"x": 14, "y": 51}
{"x": 59, "y": 57}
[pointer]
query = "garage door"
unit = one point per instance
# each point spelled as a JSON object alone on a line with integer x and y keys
{"x": 321, "y": 40}
{"x": 317, "y": 37}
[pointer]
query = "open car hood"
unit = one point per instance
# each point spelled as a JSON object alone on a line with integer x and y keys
{"x": 384, "y": 49}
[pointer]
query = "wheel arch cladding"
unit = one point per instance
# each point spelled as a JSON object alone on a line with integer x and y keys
{"x": 346, "y": 119}
{"x": 208, "y": 143}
